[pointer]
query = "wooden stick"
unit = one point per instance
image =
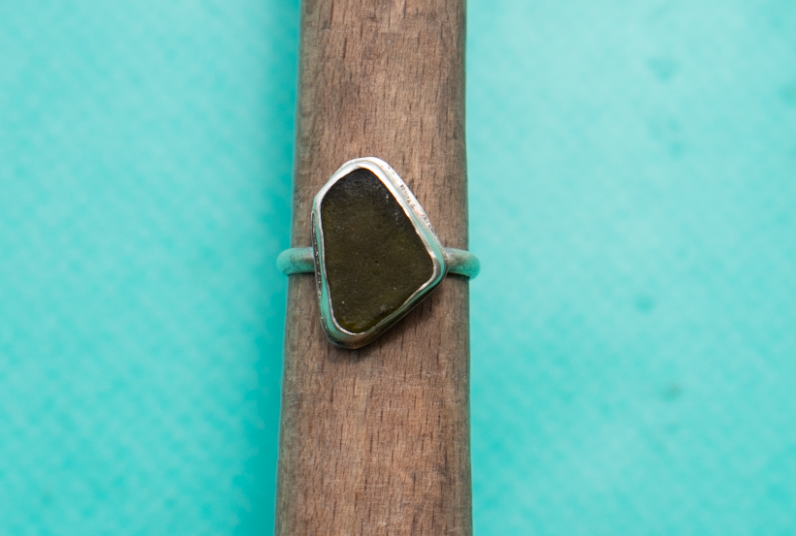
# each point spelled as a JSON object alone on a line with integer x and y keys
{"x": 376, "y": 441}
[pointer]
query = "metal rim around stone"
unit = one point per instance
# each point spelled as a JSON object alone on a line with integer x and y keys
{"x": 417, "y": 216}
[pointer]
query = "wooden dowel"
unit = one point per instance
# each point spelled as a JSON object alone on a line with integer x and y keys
{"x": 375, "y": 441}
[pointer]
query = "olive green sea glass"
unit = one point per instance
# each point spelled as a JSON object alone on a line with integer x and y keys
{"x": 373, "y": 256}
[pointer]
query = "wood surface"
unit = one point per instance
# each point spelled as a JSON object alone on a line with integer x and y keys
{"x": 375, "y": 441}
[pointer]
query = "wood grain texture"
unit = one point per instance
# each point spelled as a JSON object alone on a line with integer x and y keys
{"x": 375, "y": 441}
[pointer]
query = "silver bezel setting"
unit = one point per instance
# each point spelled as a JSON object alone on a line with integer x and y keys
{"x": 417, "y": 216}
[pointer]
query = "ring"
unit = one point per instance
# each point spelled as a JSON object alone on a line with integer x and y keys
{"x": 374, "y": 253}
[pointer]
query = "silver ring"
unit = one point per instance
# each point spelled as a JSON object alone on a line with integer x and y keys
{"x": 374, "y": 253}
{"x": 302, "y": 261}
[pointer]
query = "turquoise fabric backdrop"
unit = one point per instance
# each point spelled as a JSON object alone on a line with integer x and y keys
{"x": 632, "y": 195}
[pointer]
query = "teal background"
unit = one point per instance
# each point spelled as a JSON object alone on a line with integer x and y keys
{"x": 632, "y": 190}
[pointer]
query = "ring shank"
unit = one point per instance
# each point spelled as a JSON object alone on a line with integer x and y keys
{"x": 302, "y": 261}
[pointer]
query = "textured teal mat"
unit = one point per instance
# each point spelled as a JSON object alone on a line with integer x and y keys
{"x": 633, "y": 167}
{"x": 632, "y": 193}
{"x": 145, "y": 191}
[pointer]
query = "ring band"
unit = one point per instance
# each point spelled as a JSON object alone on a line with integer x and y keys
{"x": 302, "y": 261}
{"x": 374, "y": 253}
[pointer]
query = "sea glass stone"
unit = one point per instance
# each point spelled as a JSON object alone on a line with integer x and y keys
{"x": 374, "y": 259}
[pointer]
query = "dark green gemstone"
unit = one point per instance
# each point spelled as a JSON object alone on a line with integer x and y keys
{"x": 373, "y": 256}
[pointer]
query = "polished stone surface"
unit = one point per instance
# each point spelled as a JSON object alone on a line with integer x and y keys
{"x": 373, "y": 256}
